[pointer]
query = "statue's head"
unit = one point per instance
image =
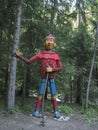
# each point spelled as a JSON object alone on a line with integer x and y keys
{"x": 50, "y": 42}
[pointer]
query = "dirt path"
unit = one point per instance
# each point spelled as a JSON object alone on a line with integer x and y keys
{"x": 18, "y": 121}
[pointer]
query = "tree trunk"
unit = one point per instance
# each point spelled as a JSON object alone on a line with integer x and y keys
{"x": 79, "y": 82}
{"x": 91, "y": 69}
{"x": 12, "y": 78}
{"x": 79, "y": 92}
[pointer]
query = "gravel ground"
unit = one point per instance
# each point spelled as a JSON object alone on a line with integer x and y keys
{"x": 19, "y": 121}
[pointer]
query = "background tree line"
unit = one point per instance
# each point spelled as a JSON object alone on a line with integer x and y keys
{"x": 72, "y": 22}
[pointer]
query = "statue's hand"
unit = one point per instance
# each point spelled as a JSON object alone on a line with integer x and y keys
{"x": 49, "y": 69}
{"x": 18, "y": 53}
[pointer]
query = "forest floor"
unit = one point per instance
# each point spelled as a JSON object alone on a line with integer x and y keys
{"x": 20, "y": 121}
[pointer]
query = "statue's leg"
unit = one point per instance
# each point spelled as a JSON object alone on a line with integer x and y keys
{"x": 55, "y": 103}
{"x": 38, "y": 105}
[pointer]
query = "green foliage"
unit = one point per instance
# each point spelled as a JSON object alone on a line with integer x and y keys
{"x": 91, "y": 115}
{"x": 48, "y": 107}
{"x": 10, "y": 111}
{"x": 27, "y": 108}
{"x": 65, "y": 109}
{"x": 91, "y": 112}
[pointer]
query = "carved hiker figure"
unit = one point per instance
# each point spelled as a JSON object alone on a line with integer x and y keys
{"x": 50, "y": 63}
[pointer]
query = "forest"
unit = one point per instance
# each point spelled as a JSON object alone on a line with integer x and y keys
{"x": 24, "y": 25}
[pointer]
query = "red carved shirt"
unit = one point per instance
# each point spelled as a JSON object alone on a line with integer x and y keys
{"x": 48, "y": 58}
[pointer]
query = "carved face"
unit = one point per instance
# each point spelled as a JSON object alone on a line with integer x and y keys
{"x": 50, "y": 44}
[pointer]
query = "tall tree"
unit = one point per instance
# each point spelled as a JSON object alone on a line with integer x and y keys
{"x": 12, "y": 78}
{"x": 94, "y": 12}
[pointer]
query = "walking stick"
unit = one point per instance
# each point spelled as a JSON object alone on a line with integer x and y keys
{"x": 43, "y": 121}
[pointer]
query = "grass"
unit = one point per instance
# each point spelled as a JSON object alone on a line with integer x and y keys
{"x": 91, "y": 115}
{"x": 66, "y": 109}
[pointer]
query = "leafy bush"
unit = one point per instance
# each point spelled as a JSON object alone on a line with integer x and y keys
{"x": 66, "y": 109}
{"x": 91, "y": 115}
